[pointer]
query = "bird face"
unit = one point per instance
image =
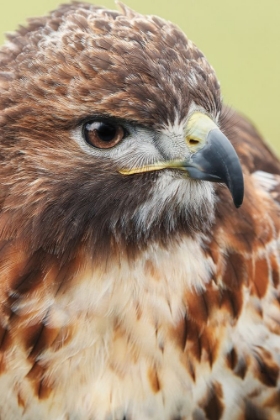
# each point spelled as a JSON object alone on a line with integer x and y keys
{"x": 110, "y": 121}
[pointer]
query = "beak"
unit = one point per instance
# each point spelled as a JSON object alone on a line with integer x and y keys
{"x": 212, "y": 158}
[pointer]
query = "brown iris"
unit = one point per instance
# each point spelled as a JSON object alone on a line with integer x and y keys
{"x": 103, "y": 135}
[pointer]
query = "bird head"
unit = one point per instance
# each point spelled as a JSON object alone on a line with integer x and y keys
{"x": 109, "y": 131}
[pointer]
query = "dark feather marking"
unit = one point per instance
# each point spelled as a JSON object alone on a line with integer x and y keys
{"x": 275, "y": 271}
{"x": 255, "y": 412}
{"x": 183, "y": 333}
{"x": 197, "y": 307}
{"x": 235, "y": 271}
{"x": 214, "y": 406}
{"x": 241, "y": 368}
{"x": 191, "y": 369}
{"x": 4, "y": 334}
{"x": 232, "y": 301}
{"x": 36, "y": 376}
{"x": 267, "y": 368}
{"x": 32, "y": 339}
{"x": 193, "y": 340}
{"x": 231, "y": 358}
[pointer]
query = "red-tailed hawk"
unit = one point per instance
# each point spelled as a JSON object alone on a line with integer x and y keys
{"x": 132, "y": 287}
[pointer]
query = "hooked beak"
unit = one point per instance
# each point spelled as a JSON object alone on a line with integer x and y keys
{"x": 212, "y": 158}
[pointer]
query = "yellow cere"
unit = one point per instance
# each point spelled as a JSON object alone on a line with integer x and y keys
{"x": 198, "y": 127}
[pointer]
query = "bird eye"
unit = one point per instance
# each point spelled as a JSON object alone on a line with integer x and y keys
{"x": 103, "y": 135}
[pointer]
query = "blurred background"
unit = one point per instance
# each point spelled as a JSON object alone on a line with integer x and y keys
{"x": 240, "y": 38}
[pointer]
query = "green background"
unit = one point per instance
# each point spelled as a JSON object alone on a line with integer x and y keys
{"x": 240, "y": 38}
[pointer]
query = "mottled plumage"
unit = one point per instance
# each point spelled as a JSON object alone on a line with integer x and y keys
{"x": 130, "y": 296}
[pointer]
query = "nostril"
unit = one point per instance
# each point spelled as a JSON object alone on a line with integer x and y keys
{"x": 193, "y": 142}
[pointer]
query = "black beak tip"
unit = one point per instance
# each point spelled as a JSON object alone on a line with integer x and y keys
{"x": 238, "y": 198}
{"x": 235, "y": 184}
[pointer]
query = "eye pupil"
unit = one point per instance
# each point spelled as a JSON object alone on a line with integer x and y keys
{"x": 105, "y": 132}
{"x": 103, "y": 135}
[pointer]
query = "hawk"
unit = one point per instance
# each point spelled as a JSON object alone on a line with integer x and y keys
{"x": 135, "y": 284}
